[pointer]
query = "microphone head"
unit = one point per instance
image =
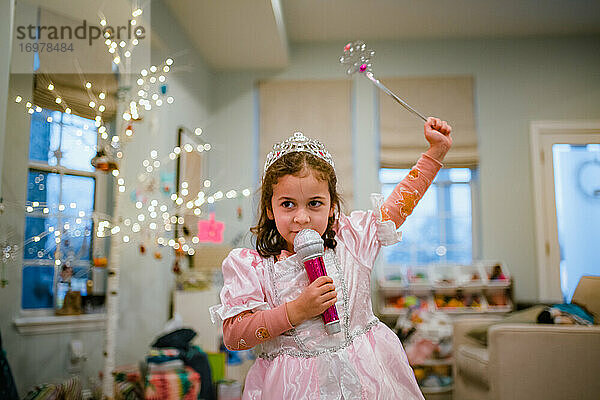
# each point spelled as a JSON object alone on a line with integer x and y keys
{"x": 308, "y": 244}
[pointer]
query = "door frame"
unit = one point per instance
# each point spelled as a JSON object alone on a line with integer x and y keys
{"x": 543, "y": 134}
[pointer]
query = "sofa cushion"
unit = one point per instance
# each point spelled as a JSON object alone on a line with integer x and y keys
{"x": 472, "y": 362}
{"x": 529, "y": 315}
{"x": 587, "y": 294}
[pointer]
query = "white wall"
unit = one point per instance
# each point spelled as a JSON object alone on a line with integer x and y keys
{"x": 516, "y": 81}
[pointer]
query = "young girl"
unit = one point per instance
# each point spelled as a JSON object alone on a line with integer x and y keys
{"x": 268, "y": 303}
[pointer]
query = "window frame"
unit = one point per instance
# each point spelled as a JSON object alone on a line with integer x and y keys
{"x": 31, "y": 316}
{"x": 474, "y": 185}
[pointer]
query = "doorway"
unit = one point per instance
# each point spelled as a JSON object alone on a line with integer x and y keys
{"x": 566, "y": 176}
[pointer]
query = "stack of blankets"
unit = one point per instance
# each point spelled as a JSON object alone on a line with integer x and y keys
{"x": 169, "y": 378}
{"x": 174, "y": 369}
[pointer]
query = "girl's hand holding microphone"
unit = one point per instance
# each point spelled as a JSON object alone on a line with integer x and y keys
{"x": 316, "y": 298}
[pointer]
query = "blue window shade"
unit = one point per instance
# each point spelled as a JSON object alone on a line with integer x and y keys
{"x": 75, "y": 137}
{"x": 78, "y": 140}
{"x": 38, "y": 285}
{"x": 78, "y": 190}
{"x": 69, "y": 141}
{"x": 39, "y": 138}
{"x": 45, "y": 187}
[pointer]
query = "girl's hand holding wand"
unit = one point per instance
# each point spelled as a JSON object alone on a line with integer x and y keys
{"x": 437, "y": 133}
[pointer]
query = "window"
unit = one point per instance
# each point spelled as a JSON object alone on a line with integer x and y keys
{"x": 440, "y": 228}
{"x": 61, "y": 188}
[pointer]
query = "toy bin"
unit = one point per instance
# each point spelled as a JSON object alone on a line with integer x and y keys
{"x": 393, "y": 281}
{"x": 458, "y": 301}
{"x": 418, "y": 277}
{"x": 443, "y": 275}
{"x": 470, "y": 276}
{"x": 496, "y": 273}
{"x": 498, "y": 300}
{"x": 404, "y": 302}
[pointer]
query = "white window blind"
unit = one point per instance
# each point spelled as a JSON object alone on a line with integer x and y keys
{"x": 448, "y": 98}
{"x": 320, "y": 110}
{"x": 73, "y": 93}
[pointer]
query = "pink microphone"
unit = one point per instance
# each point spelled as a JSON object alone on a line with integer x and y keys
{"x": 309, "y": 247}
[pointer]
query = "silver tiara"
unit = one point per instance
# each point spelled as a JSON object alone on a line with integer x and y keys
{"x": 296, "y": 143}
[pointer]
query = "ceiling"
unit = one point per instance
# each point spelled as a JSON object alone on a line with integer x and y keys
{"x": 256, "y": 34}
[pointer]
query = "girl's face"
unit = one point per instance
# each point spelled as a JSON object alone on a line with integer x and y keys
{"x": 300, "y": 202}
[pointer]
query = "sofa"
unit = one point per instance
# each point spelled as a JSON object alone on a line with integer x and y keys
{"x": 530, "y": 360}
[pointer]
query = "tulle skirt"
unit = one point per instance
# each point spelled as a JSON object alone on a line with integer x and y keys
{"x": 373, "y": 366}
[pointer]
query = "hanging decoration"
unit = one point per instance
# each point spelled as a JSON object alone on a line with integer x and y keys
{"x": 211, "y": 231}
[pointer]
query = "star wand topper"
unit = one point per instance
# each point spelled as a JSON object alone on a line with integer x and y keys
{"x": 357, "y": 57}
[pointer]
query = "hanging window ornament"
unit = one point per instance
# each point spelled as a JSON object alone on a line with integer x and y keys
{"x": 100, "y": 261}
{"x": 210, "y": 231}
{"x": 158, "y": 255}
{"x": 104, "y": 162}
{"x": 239, "y": 212}
{"x": 142, "y": 249}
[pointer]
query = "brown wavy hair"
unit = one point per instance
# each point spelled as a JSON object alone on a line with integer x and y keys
{"x": 268, "y": 240}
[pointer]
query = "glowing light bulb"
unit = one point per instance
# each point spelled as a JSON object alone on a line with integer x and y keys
{"x": 50, "y": 87}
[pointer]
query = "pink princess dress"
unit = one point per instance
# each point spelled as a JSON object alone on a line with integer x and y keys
{"x": 363, "y": 361}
